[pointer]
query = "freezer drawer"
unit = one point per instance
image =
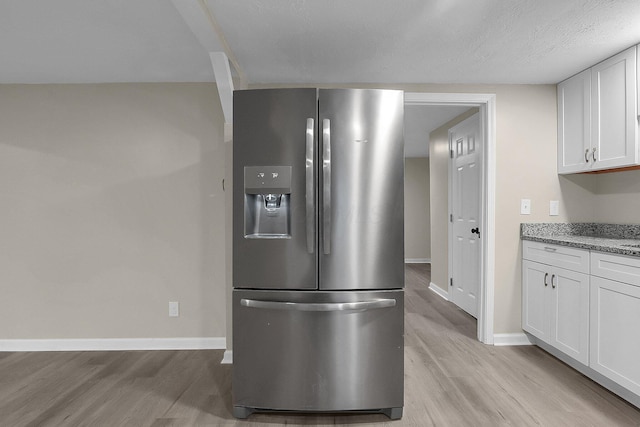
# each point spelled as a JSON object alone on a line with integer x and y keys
{"x": 318, "y": 351}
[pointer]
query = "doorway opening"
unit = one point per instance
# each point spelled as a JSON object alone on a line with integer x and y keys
{"x": 487, "y": 114}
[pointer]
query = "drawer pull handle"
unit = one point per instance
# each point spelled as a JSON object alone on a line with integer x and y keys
{"x": 586, "y": 155}
{"x": 545, "y": 279}
{"x": 553, "y": 285}
{"x": 323, "y": 306}
{"x": 550, "y": 249}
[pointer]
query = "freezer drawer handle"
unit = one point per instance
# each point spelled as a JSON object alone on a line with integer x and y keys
{"x": 326, "y": 185}
{"x": 310, "y": 195}
{"x": 328, "y": 306}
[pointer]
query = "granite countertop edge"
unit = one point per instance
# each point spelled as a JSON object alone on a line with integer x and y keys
{"x": 609, "y": 238}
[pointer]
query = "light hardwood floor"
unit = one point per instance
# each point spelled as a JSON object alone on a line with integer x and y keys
{"x": 451, "y": 380}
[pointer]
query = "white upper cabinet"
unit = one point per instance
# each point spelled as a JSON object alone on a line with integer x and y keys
{"x": 614, "y": 121}
{"x": 597, "y": 116}
{"x": 574, "y": 123}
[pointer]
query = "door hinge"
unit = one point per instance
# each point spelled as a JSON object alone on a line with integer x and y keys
{"x": 451, "y": 153}
{"x": 451, "y": 282}
{"x": 450, "y": 217}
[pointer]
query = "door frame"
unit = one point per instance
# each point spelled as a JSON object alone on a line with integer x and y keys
{"x": 487, "y": 105}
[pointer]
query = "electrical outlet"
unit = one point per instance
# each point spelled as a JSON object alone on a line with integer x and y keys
{"x": 174, "y": 309}
{"x": 525, "y": 207}
{"x": 554, "y": 208}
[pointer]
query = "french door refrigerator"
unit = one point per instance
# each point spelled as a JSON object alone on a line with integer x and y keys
{"x": 318, "y": 251}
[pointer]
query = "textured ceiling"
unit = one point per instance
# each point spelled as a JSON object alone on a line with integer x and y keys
{"x": 438, "y": 41}
{"x": 85, "y": 41}
{"x": 315, "y": 41}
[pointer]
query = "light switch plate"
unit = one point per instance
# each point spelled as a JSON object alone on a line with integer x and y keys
{"x": 525, "y": 207}
{"x": 174, "y": 309}
{"x": 554, "y": 207}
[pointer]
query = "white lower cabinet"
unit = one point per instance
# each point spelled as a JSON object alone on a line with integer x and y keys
{"x": 535, "y": 306}
{"x": 556, "y": 308}
{"x": 570, "y": 316}
{"x": 585, "y": 305}
{"x": 615, "y": 321}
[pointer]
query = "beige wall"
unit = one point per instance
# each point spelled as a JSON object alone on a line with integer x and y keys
{"x": 417, "y": 216}
{"x": 617, "y": 197}
{"x": 525, "y": 168}
{"x": 526, "y": 139}
{"x": 439, "y": 190}
{"x": 112, "y": 206}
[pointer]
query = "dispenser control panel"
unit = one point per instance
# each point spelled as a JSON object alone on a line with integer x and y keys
{"x": 267, "y": 179}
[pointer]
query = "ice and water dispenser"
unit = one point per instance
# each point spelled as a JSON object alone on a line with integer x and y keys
{"x": 267, "y": 207}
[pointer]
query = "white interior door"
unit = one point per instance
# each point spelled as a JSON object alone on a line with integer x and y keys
{"x": 465, "y": 141}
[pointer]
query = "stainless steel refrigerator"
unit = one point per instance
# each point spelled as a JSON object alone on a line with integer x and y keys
{"x": 318, "y": 251}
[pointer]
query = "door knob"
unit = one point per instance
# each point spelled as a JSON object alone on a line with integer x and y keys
{"x": 476, "y": 230}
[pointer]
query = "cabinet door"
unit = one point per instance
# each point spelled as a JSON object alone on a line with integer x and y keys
{"x": 535, "y": 313}
{"x": 574, "y": 123}
{"x": 614, "y": 124}
{"x": 569, "y": 303}
{"x": 615, "y": 341}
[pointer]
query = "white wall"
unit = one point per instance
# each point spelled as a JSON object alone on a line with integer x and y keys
{"x": 112, "y": 206}
{"x": 417, "y": 216}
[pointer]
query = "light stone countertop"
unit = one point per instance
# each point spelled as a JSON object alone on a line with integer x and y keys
{"x": 619, "y": 239}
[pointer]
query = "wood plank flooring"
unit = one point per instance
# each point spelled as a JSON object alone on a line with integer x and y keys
{"x": 451, "y": 380}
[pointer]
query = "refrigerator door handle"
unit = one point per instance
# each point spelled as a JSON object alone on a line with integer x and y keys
{"x": 310, "y": 195}
{"x": 329, "y": 306}
{"x": 326, "y": 186}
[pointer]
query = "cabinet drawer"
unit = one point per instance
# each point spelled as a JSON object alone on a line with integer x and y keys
{"x": 616, "y": 267}
{"x": 558, "y": 256}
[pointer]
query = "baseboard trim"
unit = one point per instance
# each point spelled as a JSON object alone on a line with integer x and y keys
{"x": 115, "y": 344}
{"x": 511, "y": 339}
{"x": 227, "y": 359}
{"x": 438, "y": 290}
{"x": 417, "y": 260}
